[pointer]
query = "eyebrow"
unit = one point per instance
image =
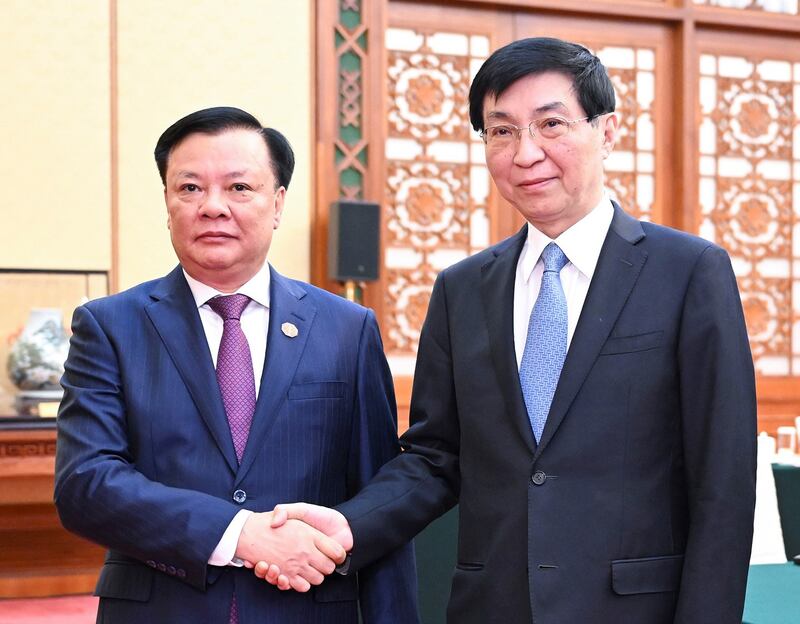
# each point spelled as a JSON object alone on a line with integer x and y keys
{"x": 191, "y": 175}
{"x": 544, "y": 108}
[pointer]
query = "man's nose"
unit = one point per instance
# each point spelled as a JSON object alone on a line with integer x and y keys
{"x": 214, "y": 204}
{"x": 528, "y": 149}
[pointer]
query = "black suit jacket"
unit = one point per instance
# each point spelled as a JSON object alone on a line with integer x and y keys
{"x": 637, "y": 505}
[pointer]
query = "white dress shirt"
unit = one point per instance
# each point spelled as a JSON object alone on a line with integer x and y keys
{"x": 581, "y": 243}
{"x": 254, "y": 320}
{"x": 255, "y": 323}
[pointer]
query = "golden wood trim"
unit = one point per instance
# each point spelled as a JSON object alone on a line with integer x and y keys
{"x": 114, "y": 145}
{"x": 27, "y": 449}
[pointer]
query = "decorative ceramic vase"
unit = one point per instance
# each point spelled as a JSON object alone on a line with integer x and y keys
{"x": 36, "y": 360}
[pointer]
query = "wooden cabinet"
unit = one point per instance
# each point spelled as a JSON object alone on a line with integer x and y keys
{"x": 38, "y": 557}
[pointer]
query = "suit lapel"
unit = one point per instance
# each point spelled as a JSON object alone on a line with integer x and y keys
{"x": 174, "y": 315}
{"x": 497, "y": 295}
{"x": 288, "y": 304}
{"x": 618, "y": 268}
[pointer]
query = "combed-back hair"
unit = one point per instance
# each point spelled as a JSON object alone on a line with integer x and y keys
{"x": 537, "y": 55}
{"x": 221, "y": 119}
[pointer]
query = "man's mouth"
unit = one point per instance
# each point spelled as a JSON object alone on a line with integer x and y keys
{"x": 535, "y": 183}
{"x": 214, "y": 236}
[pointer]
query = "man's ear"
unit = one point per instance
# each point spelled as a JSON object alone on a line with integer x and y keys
{"x": 610, "y": 128}
{"x": 169, "y": 219}
{"x": 280, "y": 196}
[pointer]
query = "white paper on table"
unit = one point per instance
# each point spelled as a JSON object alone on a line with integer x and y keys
{"x": 767, "y": 534}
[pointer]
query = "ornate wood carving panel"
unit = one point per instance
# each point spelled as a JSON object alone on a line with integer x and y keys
{"x": 27, "y": 449}
{"x": 348, "y": 120}
{"x": 630, "y": 169}
{"x": 350, "y": 148}
{"x": 437, "y": 184}
{"x": 438, "y": 206}
{"x": 750, "y": 191}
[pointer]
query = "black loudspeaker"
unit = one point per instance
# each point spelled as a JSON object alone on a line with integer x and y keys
{"x": 354, "y": 241}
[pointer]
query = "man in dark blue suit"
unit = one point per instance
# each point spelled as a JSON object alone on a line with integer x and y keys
{"x": 584, "y": 389}
{"x": 196, "y": 402}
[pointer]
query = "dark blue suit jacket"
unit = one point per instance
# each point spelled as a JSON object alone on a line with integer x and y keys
{"x": 145, "y": 464}
{"x": 637, "y": 505}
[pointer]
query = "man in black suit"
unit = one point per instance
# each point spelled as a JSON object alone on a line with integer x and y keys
{"x": 584, "y": 389}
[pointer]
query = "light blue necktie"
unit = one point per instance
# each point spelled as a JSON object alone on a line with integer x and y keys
{"x": 546, "y": 343}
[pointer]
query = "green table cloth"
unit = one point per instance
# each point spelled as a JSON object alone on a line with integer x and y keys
{"x": 773, "y": 594}
{"x": 787, "y": 487}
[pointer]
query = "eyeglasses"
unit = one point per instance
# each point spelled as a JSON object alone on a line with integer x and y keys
{"x": 503, "y": 135}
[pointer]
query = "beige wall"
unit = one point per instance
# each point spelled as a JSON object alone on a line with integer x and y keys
{"x": 179, "y": 56}
{"x": 54, "y": 159}
{"x": 173, "y": 58}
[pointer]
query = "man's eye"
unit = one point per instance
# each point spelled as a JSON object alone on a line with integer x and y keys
{"x": 191, "y": 188}
{"x": 240, "y": 188}
{"x": 552, "y": 122}
{"x": 501, "y": 131}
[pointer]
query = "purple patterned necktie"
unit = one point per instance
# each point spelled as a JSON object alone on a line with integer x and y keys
{"x": 235, "y": 369}
{"x": 236, "y": 381}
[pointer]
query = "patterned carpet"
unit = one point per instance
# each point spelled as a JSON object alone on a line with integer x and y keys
{"x": 59, "y": 610}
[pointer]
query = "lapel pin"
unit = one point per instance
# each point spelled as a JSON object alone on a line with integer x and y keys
{"x": 289, "y": 329}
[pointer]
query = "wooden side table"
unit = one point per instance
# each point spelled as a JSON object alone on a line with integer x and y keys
{"x": 38, "y": 557}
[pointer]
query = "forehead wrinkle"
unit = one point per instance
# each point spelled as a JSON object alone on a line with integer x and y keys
{"x": 550, "y": 107}
{"x": 186, "y": 174}
{"x": 238, "y": 173}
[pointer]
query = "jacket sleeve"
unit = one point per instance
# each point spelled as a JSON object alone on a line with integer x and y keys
{"x": 387, "y": 587}
{"x": 718, "y": 420}
{"x": 99, "y": 493}
{"x": 423, "y": 481}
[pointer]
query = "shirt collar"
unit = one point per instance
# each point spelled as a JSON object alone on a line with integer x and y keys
{"x": 581, "y": 242}
{"x": 257, "y": 288}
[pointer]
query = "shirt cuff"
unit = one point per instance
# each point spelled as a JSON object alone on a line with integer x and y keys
{"x": 223, "y": 554}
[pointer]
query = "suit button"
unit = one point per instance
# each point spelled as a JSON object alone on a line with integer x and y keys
{"x": 538, "y": 477}
{"x": 171, "y": 570}
{"x": 151, "y": 563}
{"x": 239, "y": 496}
{"x": 181, "y": 573}
{"x": 162, "y": 567}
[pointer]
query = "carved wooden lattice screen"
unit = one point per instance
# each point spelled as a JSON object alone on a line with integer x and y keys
{"x": 437, "y": 183}
{"x": 749, "y": 165}
{"x": 709, "y": 98}
{"x": 630, "y": 169}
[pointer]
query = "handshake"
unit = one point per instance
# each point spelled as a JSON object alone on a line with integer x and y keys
{"x": 295, "y": 546}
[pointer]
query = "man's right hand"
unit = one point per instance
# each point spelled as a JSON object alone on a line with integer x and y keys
{"x": 303, "y": 554}
{"x": 331, "y": 522}
{"x": 328, "y": 521}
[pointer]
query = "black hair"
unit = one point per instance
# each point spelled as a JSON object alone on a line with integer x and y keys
{"x": 220, "y": 119}
{"x": 536, "y": 55}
